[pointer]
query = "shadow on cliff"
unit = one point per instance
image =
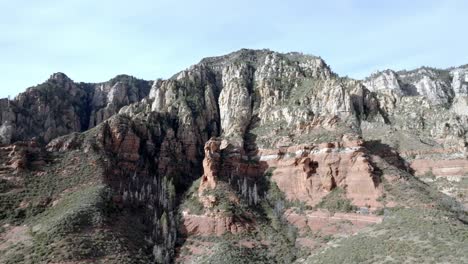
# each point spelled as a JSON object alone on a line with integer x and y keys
{"x": 387, "y": 153}
{"x": 258, "y": 178}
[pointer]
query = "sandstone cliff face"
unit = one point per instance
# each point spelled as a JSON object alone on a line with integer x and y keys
{"x": 304, "y": 173}
{"x": 213, "y": 225}
{"x": 308, "y": 173}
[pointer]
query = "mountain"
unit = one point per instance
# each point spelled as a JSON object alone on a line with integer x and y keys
{"x": 60, "y": 106}
{"x": 251, "y": 157}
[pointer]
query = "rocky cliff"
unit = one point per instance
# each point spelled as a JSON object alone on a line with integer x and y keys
{"x": 271, "y": 138}
{"x": 60, "y": 106}
{"x": 427, "y": 122}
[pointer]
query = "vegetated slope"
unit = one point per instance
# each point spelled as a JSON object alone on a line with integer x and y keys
{"x": 60, "y": 209}
{"x": 286, "y": 152}
{"x": 429, "y": 227}
{"x": 410, "y": 235}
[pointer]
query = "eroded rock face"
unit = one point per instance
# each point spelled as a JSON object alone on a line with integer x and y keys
{"x": 304, "y": 173}
{"x": 203, "y": 225}
{"x": 429, "y": 101}
{"x": 440, "y": 167}
{"x": 60, "y": 106}
{"x": 6, "y": 132}
{"x": 385, "y": 80}
{"x": 224, "y": 162}
{"x": 308, "y": 173}
{"x": 211, "y": 165}
{"x": 331, "y": 224}
{"x": 446, "y": 169}
{"x": 235, "y": 101}
{"x": 224, "y": 171}
{"x": 20, "y": 156}
{"x": 460, "y": 81}
{"x": 108, "y": 98}
{"x": 433, "y": 84}
{"x": 259, "y": 90}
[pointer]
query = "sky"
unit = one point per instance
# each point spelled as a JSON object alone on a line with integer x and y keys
{"x": 93, "y": 41}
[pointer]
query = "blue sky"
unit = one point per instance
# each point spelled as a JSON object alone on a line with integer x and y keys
{"x": 93, "y": 41}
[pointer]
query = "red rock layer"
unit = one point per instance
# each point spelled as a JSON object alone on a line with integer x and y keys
{"x": 223, "y": 161}
{"x": 17, "y": 156}
{"x": 209, "y": 225}
{"x": 331, "y": 224}
{"x": 314, "y": 171}
{"x": 307, "y": 175}
{"x": 452, "y": 167}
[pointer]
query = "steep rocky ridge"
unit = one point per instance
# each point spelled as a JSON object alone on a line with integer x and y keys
{"x": 259, "y": 90}
{"x": 428, "y": 103}
{"x": 60, "y": 106}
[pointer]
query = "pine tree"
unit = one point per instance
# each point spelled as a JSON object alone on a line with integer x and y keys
{"x": 164, "y": 224}
{"x": 244, "y": 188}
{"x": 255, "y": 194}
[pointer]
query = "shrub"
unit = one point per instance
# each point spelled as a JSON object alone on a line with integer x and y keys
{"x": 430, "y": 174}
{"x": 336, "y": 201}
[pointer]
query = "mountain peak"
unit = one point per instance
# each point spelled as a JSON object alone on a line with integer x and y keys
{"x": 256, "y": 56}
{"x": 267, "y": 60}
{"x": 59, "y": 76}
